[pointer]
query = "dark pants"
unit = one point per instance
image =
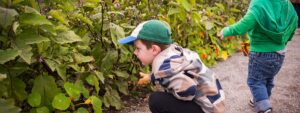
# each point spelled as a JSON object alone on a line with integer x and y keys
{"x": 162, "y": 102}
{"x": 297, "y": 8}
{"x": 262, "y": 69}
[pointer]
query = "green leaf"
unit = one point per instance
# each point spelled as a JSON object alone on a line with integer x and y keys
{"x": 187, "y": 6}
{"x": 45, "y": 85}
{"x": 7, "y": 16}
{"x": 26, "y": 54}
{"x": 18, "y": 89}
{"x": 61, "y": 17}
{"x": 34, "y": 99}
{"x": 72, "y": 90}
{"x": 30, "y": 36}
{"x": 173, "y": 11}
{"x": 33, "y": 19}
{"x": 43, "y": 109}
{"x": 7, "y": 55}
{"x": 220, "y": 6}
{"x": 97, "y": 104}
{"x": 208, "y": 25}
{"x": 92, "y": 80}
{"x": 84, "y": 91}
{"x": 82, "y": 18}
{"x": 108, "y": 61}
{"x": 116, "y": 32}
{"x": 52, "y": 64}
{"x": 82, "y": 110}
{"x": 61, "y": 102}
{"x": 30, "y": 10}
{"x": 18, "y": 69}
{"x": 67, "y": 37}
{"x": 121, "y": 74}
{"x": 112, "y": 98}
{"x": 8, "y": 106}
{"x": 62, "y": 70}
{"x": 123, "y": 87}
{"x": 79, "y": 58}
{"x": 100, "y": 76}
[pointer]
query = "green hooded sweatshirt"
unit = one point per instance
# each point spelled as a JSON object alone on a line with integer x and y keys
{"x": 270, "y": 25}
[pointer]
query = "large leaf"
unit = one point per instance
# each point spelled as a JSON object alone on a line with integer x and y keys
{"x": 57, "y": 14}
{"x": 51, "y": 63}
{"x": 92, "y": 80}
{"x": 112, "y": 98}
{"x": 33, "y": 19}
{"x": 45, "y": 85}
{"x": 82, "y": 18}
{"x": 82, "y": 110}
{"x": 186, "y": 5}
{"x": 208, "y": 25}
{"x": 62, "y": 70}
{"x": 26, "y": 53}
{"x": 18, "y": 89}
{"x": 97, "y": 104}
{"x": 108, "y": 61}
{"x": 72, "y": 90}
{"x": 100, "y": 76}
{"x": 84, "y": 91}
{"x": 123, "y": 87}
{"x": 67, "y": 37}
{"x": 116, "y": 32}
{"x": 174, "y": 11}
{"x": 18, "y": 69}
{"x": 79, "y": 58}
{"x": 34, "y": 99}
{"x": 122, "y": 74}
{"x": 30, "y": 36}
{"x": 8, "y": 106}
{"x": 61, "y": 102}
{"x": 42, "y": 110}
{"x": 7, "y": 55}
{"x": 7, "y": 16}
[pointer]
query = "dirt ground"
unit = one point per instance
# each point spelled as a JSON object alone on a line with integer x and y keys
{"x": 233, "y": 75}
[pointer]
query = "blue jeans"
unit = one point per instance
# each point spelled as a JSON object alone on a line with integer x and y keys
{"x": 262, "y": 68}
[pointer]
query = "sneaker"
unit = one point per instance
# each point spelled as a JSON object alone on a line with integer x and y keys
{"x": 267, "y": 111}
{"x": 251, "y": 102}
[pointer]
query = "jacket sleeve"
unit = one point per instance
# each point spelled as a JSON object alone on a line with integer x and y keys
{"x": 175, "y": 81}
{"x": 247, "y": 23}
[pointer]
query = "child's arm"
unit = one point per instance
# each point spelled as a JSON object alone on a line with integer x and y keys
{"x": 247, "y": 23}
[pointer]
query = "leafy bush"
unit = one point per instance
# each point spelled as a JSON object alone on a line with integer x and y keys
{"x": 58, "y": 55}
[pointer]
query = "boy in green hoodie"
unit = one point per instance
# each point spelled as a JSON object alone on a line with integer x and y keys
{"x": 270, "y": 24}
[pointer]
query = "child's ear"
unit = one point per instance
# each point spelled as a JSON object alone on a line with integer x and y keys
{"x": 156, "y": 49}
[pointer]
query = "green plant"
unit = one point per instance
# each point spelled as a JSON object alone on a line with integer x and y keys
{"x": 58, "y": 56}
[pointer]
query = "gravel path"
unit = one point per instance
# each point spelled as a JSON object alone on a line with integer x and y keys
{"x": 233, "y": 75}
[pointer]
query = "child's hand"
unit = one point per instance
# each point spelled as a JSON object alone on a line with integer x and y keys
{"x": 144, "y": 80}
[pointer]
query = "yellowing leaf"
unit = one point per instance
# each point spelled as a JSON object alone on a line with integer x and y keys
{"x": 224, "y": 55}
{"x": 88, "y": 101}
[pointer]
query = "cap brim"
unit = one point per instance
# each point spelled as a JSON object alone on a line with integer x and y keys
{"x": 127, "y": 40}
